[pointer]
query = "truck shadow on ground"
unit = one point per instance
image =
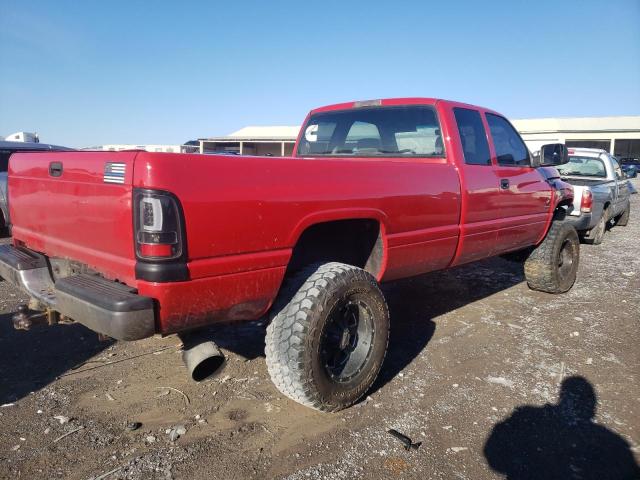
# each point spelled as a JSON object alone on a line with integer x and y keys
{"x": 30, "y": 360}
{"x": 560, "y": 441}
{"x": 413, "y": 304}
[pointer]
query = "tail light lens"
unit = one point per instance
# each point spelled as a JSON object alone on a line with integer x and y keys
{"x": 587, "y": 201}
{"x": 158, "y": 225}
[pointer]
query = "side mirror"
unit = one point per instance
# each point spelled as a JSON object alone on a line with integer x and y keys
{"x": 553, "y": 154}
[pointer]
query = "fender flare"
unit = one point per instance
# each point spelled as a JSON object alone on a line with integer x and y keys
{"x": 338, "y": 214}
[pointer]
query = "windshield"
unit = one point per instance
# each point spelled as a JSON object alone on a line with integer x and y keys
{"x": 411, "y": 131}
{"x": 583, "y": 167}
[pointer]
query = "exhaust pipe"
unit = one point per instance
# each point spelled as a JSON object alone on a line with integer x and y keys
{"x": 203, "y": 360}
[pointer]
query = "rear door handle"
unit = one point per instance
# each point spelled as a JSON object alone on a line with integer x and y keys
{"x": 55, "y": 169}
{"x": 504, "y": 183}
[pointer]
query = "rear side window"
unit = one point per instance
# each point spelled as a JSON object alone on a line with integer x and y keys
{"x": 472, "y": 136}
{"x": 510, "y": 149}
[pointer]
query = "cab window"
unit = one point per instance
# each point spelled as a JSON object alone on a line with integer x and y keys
{"x": 580, "y": 166}
{"x": 472, "y": 136}
{"x": 4, "y": 160}
{"x": 616, "y": 168}
{"x": 511, "y": 151}
{"x": 363, "y": 137}
{"x": 387, "y": 131}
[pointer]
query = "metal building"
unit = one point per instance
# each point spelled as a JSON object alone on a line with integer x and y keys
{"x": 618, "y": 135}
{"x": 276, "y": 141}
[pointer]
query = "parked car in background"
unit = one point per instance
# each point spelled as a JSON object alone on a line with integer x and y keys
{"x": 601, "y": 192}
{"x": 6, "y": 149}
{"x": 142, "y": 243}
{"x": 630, "y": 161}
{"x": 630, "y": 170}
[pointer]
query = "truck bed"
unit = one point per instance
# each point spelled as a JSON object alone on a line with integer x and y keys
{"x": 242, "y": 217}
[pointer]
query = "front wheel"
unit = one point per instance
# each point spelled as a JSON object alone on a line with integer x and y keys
{"x": 553, "y": 265}
{"x": 328, "y": 336}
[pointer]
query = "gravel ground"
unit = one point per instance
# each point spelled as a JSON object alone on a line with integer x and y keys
{"x": 476, "y": 365}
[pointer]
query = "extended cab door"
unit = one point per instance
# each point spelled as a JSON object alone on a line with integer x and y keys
{"x": 525, "y": 196}
{"x": 480, "y": 187}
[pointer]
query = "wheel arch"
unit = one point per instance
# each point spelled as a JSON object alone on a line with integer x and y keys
{"x": 357, "y": 237}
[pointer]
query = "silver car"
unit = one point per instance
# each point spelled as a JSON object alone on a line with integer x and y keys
{"x": 601, "y": 192}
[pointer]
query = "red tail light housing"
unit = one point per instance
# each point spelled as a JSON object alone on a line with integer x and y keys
{"x": 587, "y": 201}
{"x": 158, "y": 226}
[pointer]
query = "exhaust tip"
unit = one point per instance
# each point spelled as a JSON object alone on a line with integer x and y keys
{"x": 203, "y": 360}
{"x": 207, "y": 368}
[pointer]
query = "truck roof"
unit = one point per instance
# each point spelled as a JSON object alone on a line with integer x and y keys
{"x": 381, "y": 102}
{"x": 589, "y": 152}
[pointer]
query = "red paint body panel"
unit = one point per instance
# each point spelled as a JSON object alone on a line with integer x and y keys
{"x": 243, "y": 215}
{"x": 76, "y": 215}
{"x": 255, "y": 204}
{"x": 221, "y": 298}
{"x": 246, "y": 213}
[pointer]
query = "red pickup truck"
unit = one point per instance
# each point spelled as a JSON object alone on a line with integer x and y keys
{"x": 133, "y": 244}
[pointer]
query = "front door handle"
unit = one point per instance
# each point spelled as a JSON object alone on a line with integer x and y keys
{"x": 504, "y": 183}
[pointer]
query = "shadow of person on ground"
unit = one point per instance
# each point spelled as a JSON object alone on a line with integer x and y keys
{"x": 560, "y": 441}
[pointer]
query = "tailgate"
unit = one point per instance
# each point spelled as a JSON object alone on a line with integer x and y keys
{"x": 577, "y": 199}
{"x": 76, "y": 205}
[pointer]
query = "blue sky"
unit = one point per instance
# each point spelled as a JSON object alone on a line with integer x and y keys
{"x": 87, "y": 73}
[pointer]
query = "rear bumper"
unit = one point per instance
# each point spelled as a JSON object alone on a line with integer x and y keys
{"x": 581, "y": 222}
{"x": 102, "y": 305}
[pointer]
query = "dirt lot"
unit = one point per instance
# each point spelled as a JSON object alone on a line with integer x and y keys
{"x": 468, "y": 347}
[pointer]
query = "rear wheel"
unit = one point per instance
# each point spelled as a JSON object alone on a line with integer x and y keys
{"x": 595, "y": 236}
{"x": 623, "y": 219}
{"x": 328, "y": 336}
{"x": 553, "y": 265}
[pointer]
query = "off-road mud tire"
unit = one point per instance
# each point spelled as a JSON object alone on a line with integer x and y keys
{"x": 543, "y": 267}
{"x": 296, "y": 329}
